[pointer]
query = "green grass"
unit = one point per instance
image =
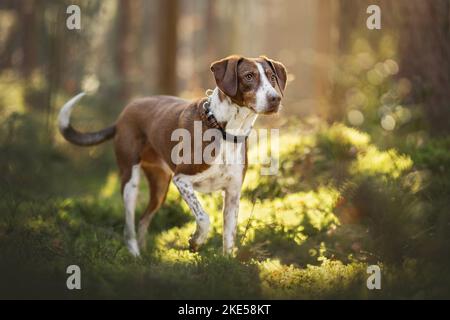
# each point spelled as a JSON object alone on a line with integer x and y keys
{"x": 338, "y": 204}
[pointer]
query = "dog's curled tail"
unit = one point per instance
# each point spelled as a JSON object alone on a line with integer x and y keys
{"x": 76, "y": 137}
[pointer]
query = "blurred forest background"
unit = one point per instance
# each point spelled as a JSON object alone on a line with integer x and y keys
{"x": 365, "y": 148}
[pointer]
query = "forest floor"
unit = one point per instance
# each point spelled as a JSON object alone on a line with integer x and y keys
{"x": 338, "y": 205}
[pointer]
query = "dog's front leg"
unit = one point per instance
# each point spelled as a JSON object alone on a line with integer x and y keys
{"x": 230, "y": 217}
{"x": 187, "y": 192}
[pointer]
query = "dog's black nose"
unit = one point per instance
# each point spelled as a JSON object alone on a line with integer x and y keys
{"x": 273, "y": 103}
{"x": 275, "y": 99}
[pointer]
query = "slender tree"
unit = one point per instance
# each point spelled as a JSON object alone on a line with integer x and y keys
{"x": 167, "y": 46}
{"x": 27, "y": 17}
{"x": 127, "y": 44}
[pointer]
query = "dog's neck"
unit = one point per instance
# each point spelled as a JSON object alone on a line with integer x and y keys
{"x": 238, "y": 120}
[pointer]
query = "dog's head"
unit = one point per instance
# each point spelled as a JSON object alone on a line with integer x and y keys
{"x": 255, "y": 83}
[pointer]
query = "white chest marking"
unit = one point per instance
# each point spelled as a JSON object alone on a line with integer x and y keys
{"x": 227, "y": 168}
{"x": 239, "y": 120}
{"x": 226, "y": 171}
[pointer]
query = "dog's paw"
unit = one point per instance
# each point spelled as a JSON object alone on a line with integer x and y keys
{"x": 193, "y": 247}
{"x": 133, "y": 248}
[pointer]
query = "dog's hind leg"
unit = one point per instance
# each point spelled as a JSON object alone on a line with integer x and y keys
{"x": 127, "y": 155}
{"x": 130, "y": 193}
{"x": 187, "y": 192}
{"x": 158, "y": 181}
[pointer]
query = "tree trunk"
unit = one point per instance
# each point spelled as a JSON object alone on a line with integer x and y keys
{"x": 167, "y": 44}
{"x": 424, "y": 56}
{"x": 127, "y": 41}
{"x": 326, "y": 48}
{"x": 27, "y": 19}
{"x": 210, "y": 34}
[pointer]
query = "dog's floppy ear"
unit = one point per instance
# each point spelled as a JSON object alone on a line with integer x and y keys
{"x": 280, "y": 72}
{"x": 225, "y": 74}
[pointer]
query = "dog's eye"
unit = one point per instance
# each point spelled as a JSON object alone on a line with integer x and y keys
{"x": 249, "y": 76}
{"x": 273, "y": 78}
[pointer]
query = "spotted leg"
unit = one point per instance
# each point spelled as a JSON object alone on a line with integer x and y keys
{"x": 187, "y": 192}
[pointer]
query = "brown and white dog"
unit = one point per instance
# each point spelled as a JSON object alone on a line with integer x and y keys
{"x": 143, "y": 140}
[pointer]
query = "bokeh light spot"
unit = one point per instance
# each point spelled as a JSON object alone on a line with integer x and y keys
{"x": 355, "y": 117}
{"x": 388, "y": 123}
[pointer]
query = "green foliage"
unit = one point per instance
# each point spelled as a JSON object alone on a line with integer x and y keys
{"x": 330, "y": 280}
{"x": 434, "y": 155}
{"x": 338, "y": 204}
